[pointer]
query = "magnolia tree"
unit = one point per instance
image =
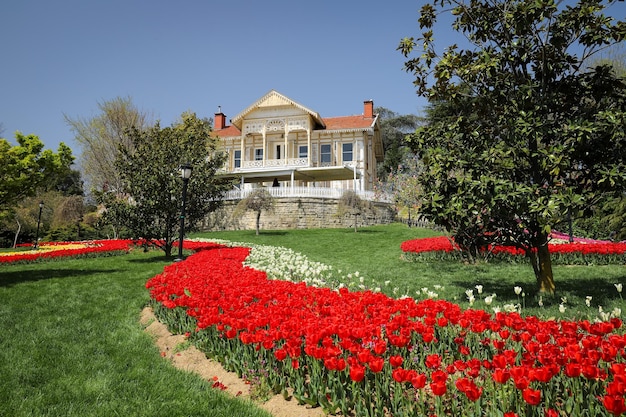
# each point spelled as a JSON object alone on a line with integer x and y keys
{"x": 150, "y": 201}
{"x": 527, "y": 132}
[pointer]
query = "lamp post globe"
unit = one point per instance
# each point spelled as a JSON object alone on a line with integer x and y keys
{"x": 185, "y": 173}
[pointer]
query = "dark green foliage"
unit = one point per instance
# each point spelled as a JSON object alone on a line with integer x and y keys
{"x": 150, "y": 203}
{"x": 522, "y": 133}
{"x": 393, "y": 129}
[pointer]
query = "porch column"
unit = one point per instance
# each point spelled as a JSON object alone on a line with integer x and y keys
{"x": 292, "y": 181}
{"x": 286, "y": 153}
{"x": 308, "y": 146}
{"x": 264, "y": 145}
{"x": 243, "y": 149}
{"x": 241, "y": 188}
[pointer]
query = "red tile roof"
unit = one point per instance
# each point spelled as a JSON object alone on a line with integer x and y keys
{"x": 347, "y": 122}
{"x": 227, "y": 132}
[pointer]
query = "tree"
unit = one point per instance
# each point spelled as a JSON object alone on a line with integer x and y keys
{"x": 101, "y": 136}
{"x": 151, "y": 184}
{"x": 22, "y": 219}
{"x": 350, "y": 203}
{"x": 70, "y": 212}
{"x": 529, "y": 132}
{"x": 257, "y": 201}
{"x": 393, "y": 129}
{"x": 403, "y": 185}
{"x": 27, "y": 168}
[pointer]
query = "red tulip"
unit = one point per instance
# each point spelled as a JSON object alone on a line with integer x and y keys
{"x": 280, "y": 354}
{"x": 376, "y": 364}
{"x": 614, "y": 404}
{"x": 357, "y": 373}
{"x": 395, "y": 361}
{"x": 531, "y": 396}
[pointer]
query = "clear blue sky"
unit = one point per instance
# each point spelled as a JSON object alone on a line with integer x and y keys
{"x": 64, "y": 56}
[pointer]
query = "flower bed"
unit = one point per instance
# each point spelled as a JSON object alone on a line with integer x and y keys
{"x": 64, "y": 249}
{"x": 364, "y": 353}
{"x": 576, "y": 253}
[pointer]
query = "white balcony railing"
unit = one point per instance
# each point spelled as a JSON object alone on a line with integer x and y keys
{"x": 305, "y": 192}
{"x": 274, "y": 163}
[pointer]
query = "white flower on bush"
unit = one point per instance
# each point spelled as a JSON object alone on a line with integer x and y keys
{"x": 588, "y": 300}
{"x": 562, "y": 308}
{"x": 518, "y": 290}
{"x": 489, "y": 299}
{"x": 479, "y": 288}
{"x": 618, "y": 287}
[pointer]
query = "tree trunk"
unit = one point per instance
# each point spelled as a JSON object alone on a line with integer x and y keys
{"x": 355, "y": 222}
{"x": 17, "y": 233}
{"x": 542, "y": 265}
{"x": 258, "y": 221}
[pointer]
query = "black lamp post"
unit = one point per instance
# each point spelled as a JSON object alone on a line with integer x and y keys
{"x": 569, "y": 182}
{"x": 185, "y": 173}
{"x": 38, "y": 224}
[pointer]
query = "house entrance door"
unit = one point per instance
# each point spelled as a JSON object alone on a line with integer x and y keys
{"x": 280, "y": 152}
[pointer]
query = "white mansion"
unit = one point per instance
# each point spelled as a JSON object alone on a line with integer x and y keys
{"x": 294, "y": 152}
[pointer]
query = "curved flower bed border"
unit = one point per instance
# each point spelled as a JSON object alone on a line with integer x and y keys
{"x": 581, "y": 253}
{"x": 367, "y": 354}
{"x": 90, "y": 248}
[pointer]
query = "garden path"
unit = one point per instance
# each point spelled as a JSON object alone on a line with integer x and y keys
{"x": 192, "y": 360}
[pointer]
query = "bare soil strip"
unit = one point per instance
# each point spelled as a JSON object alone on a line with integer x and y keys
{"x": 190, "y": 359}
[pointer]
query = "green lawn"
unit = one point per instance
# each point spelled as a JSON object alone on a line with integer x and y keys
{"x": 71, "y": 343}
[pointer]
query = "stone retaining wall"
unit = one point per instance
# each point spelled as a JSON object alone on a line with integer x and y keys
{"x": 298, "y": 213}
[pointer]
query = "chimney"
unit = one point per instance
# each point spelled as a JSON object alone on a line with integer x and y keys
{"x": 220, "y": 119}
{"x": 368, "y": 109}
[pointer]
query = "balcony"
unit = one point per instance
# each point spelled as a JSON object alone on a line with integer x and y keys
{"x": 274, "y": 163}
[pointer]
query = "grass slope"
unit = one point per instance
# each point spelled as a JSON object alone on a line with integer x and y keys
{"x": 72, "y": 345}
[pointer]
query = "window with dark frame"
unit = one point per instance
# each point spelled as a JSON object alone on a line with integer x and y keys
{"x": 346, "y": 155}
{"x": 325, "y": 155}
